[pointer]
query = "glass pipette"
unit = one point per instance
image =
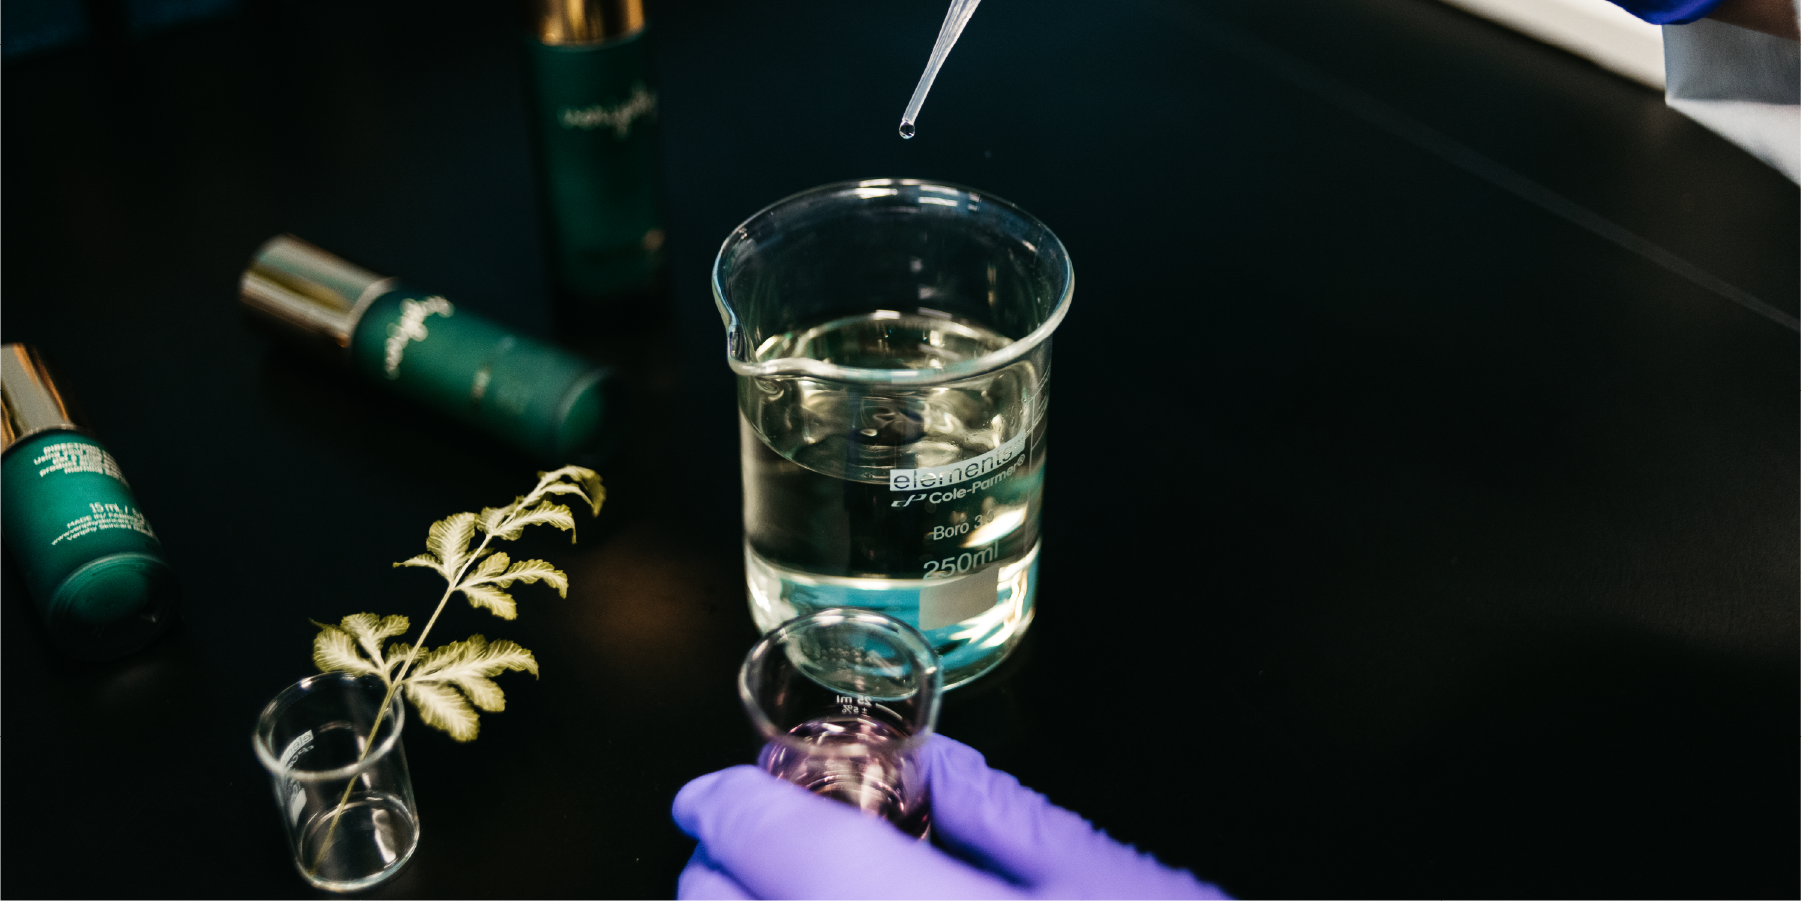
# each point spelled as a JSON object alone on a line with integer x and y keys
{"x": 954, "y": 20}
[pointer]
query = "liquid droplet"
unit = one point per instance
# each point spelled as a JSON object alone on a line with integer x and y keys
{"x": 906, "y": 129}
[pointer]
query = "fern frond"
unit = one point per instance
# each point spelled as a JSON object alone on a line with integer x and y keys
{"x": 450, "y": 684}
{"x": 441, "y": 707}
{"x": 334, "y": 650}
{"x": 496, "y": 601}
{"x": 449, "y": 539}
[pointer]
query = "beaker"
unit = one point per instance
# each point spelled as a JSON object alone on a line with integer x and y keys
{"x": 892, "y": 344}
{"x": 844, "y": 699}
{"x": 344, "y": 794}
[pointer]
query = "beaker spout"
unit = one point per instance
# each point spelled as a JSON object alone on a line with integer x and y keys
{"x": 892, "y": 282}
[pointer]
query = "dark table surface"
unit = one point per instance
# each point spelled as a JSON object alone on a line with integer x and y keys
{"x": 1445, "y": 541}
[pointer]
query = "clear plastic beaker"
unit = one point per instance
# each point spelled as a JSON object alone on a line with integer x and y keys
{"x": 892, "y": 345}
{"x": 844, "y": 699}
{"x": 344, "y": 795}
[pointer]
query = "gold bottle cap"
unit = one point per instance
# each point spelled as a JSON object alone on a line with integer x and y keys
{"x": 584, "y": 21}
{"x": 29, "y": 397}
{"x": 307, "y": 293}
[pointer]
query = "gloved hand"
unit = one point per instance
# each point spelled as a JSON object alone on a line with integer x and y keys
{"x": 761, "y": 837}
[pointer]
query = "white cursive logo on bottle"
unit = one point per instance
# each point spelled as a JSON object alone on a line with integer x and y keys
{"x": 411, "y": 327}
{"x": 618, "y": 117}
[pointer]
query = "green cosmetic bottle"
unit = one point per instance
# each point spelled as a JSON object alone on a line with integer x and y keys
{"x": 94, "y": 567}
{"x": 594, "y": 106}
{"x": 552, "y": 405}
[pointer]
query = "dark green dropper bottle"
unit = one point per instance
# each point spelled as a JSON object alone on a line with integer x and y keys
{"x": 551, "y": 404}
{"x": 93, "y": 565}
{"x": 594, "y": 114}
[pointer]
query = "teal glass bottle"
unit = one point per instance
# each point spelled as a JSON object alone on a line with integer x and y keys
{"x": 594, "y": 109}
{"x": 550, "y": 404}
{"x": 94, "y": 567}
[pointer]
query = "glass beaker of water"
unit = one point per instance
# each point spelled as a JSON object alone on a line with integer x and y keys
{"x": 844, "y": 699}
{"x": 892, "y": 344}
{"x": 344, "y": 794}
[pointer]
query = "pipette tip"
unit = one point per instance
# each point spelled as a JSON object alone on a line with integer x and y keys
{"x": 906, "y": 129}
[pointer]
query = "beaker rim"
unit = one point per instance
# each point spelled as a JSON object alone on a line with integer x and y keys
{"x": 932, "y": 683}
{"x": 738, "y": 351}
{"x": 263, "y": 737}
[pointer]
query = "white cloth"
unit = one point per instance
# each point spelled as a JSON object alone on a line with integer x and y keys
{"x": 1744, "y": 85}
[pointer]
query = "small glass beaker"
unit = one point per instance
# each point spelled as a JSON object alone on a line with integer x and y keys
{"x": 892, "y": 345}
{"x": 344, "y": 795}
{"x": 844, "y": 699}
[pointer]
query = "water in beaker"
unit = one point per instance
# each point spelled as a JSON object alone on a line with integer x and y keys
{"x": 892, "y": 344}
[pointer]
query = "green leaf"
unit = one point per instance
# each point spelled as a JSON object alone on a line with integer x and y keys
{"x": 566, "y": 488}
{"x": 491, "y": 517}
{"x": 470, "y": 666}
{"x": 428, "y": 561}
{"x": 442, "y": 708}
{"x": 474, "y": 655}
{"x": 597, "y": 492}
{"x": 489, "y": 568}
{"x": 370, "y": 631}
{"x": 496, "y": 601}
{"x": 334, "y": 650}
{"x": 545, "y": 513}
{"x": 397, "y": 654}
{"x": 533, "y": 516}
{"x": 449, "y": 539}
{"x": 561, "y": 473}
{"x": 482, "y": 587}
{"x": 583, "y": 481}
{"x": 529, "y": 571}
{"x": 496, "y": 572}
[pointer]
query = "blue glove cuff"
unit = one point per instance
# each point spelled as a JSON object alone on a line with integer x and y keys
{"x": 1669, "y": 12}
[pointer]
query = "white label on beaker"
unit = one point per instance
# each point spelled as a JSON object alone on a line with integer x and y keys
{"x": 296, "y": 794}
{"x": 946, "y": 602}
{"x": 958, "y": 475}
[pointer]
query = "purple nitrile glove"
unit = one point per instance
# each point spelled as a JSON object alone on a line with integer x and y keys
{"x": 761, "y": 837}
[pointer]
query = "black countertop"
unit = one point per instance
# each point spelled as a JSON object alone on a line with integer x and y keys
{"x": 1419, "y": 525}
